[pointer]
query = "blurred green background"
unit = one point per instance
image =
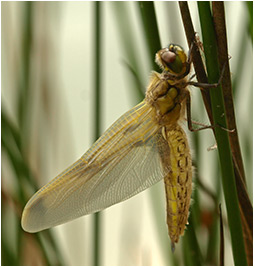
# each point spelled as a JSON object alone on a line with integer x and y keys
{"x": 48, "y": 121}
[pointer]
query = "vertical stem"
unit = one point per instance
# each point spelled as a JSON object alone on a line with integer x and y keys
{"x": 221, "y": 238}
{"x": 24, "y": 95}
{"x": 220, "y": 30}
{"x": 218, "y": 14}
{"x": 225, "y": 156}
{"x": 150, "y": 26}
{"x": 97, "y": 113}
{"x": 24, "y": 81}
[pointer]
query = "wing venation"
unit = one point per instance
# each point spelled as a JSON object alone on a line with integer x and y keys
{"x": 122, "y": 163}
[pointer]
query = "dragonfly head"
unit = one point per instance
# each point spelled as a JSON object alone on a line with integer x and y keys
{"x": 173, "y": 59}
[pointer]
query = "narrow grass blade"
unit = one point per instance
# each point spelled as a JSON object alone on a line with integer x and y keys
{"x": 148, "y": 16}
{"x": 250, "y": 24}
{"x": 97, "y": 116}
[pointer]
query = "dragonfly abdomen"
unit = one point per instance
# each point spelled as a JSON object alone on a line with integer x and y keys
{"x": 178, "y": 181}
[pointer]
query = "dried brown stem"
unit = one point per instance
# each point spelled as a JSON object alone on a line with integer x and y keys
{"x": 195, "y": 55}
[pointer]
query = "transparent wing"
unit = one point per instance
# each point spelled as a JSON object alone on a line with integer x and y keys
{"x": 122, "y": 163}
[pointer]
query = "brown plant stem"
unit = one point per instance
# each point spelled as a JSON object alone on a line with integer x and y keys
{"x": 244, "y": 204}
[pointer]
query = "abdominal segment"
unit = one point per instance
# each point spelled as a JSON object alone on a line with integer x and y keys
{"x": 178, "y": 180}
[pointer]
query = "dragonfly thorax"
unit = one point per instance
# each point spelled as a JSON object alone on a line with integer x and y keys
{"x": 167, "y": 102}
{"x": 167, "y": 97}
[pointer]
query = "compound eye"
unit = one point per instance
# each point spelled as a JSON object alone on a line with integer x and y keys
{"x": 168, "y": 57}
{"x": 172, "y": 61}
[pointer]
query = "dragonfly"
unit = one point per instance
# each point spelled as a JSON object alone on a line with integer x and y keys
{"x": 145, "y": 145}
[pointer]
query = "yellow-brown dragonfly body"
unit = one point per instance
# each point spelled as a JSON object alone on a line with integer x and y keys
{"x": 142, "y": 147}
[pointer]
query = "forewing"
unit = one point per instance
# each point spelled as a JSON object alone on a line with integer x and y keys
{"x": 122, "y": 163}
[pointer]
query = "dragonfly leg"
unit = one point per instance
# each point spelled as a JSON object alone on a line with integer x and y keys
{"x": 208, "y": 85}
{"x": 188, "y": 108}
{"x": 190, "y": 122}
